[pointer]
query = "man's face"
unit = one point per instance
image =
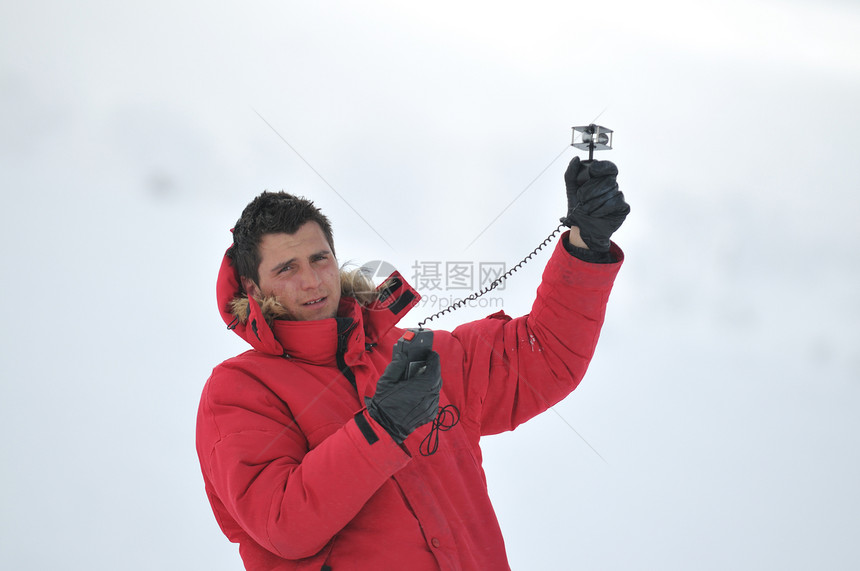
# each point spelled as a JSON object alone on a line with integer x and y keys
{"x": 300, "y": 271}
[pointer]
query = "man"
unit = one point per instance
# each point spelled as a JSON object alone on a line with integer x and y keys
{"x": 321, "y": 447}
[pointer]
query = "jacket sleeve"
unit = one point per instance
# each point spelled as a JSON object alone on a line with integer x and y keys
{"x": 289, "y": 499}
{"x": 514, "y": 369}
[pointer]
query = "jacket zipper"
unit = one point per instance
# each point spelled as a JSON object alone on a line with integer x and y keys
{"x": 342, "y": 346}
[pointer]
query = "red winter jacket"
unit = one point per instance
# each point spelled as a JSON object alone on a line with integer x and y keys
{"x": 299, "y": 483}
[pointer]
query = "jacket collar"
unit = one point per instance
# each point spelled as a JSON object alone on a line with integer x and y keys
{"x": 317, "y": 341}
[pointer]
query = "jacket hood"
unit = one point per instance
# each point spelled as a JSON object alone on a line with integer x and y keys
{"x": 257, "y": 321}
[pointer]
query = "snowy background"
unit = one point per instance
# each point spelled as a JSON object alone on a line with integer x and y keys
{"x": 723, "y": 400}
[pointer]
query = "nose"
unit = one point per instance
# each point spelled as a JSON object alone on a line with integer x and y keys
{"x": 310, "y": 279}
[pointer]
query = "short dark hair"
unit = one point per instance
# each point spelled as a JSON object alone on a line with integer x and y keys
{"x": 271, "y": 213}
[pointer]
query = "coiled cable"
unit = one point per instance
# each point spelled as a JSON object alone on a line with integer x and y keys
{"x": 495, "y": 283}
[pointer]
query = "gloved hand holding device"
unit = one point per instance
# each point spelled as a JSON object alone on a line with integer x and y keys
{"x": 407, "y": 394}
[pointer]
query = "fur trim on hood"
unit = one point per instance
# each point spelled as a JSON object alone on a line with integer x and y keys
{"x": 353, "y": 283}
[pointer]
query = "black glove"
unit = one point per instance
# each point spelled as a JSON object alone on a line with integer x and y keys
{"x": 407, "y": 397}
{"x": 594, "y": 203}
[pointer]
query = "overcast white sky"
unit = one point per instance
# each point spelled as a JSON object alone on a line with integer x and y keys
{"x": 725, "y": 390}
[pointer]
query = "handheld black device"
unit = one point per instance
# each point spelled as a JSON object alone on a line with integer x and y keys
{"x": 418, "y": 344}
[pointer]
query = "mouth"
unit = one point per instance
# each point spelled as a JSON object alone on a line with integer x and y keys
{"x": 314, "y": 302}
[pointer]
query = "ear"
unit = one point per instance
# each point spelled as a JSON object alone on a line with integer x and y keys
{"x": 250, "y": 287}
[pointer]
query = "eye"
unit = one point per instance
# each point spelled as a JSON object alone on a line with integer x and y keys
{"x": 320, "y": 257}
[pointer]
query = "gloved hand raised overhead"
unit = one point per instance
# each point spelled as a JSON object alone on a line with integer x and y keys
{"x": 594, "y": 203}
